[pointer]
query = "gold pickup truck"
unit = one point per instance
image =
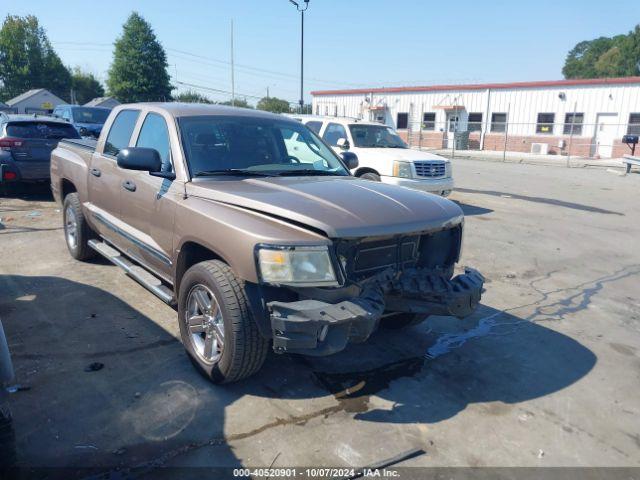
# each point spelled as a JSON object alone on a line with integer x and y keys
{"x": 216, "y": 211}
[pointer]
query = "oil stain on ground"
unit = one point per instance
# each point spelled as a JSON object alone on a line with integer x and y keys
{"x": 353, "y": 389}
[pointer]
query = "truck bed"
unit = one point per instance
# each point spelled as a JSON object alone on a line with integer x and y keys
{"x": 86, "y": 143}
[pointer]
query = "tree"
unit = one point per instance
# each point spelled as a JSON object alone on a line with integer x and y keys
{"x": 617, "y": 56}
{"x": 139, "y": 69}
{"x": 27, "y": 60}
{"x": 581, "y": 61}
{"x": 85, "y": 86}
{"x": 238, "y": 102}
{"x": 630, "y": 52}
{"x": 273, "y": 104}
{"x": 191, "y": 97}
{"x": 609, "y": 64}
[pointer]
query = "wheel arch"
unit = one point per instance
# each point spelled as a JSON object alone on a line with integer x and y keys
{"x": 66, "y": 187}
{"x": 362, "y": 170}
{"x": 192, "y": 252}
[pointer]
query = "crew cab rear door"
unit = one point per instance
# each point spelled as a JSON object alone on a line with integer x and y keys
{"x": 148, "y": 202}
{"x": 105, "y": 178}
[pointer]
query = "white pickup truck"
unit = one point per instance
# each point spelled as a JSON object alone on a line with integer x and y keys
{"x": 382, "y": 154}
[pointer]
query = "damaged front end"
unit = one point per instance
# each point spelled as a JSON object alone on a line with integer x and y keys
{"x": 408, "y": 273}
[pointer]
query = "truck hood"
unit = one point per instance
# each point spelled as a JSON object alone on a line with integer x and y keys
{"x": 406, "y": 154}
{"x": 341, "y": 207}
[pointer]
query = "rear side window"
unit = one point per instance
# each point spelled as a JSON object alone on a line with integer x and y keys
{"x": 314, "y": 126}
{"x": 120, "y": 132}
{"x": 155, "y": 134}
{"x": 333, "y": 133}
{"x": 56, "y": 131}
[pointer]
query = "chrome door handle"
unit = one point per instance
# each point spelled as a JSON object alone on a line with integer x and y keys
{"x": 129, "y": 185}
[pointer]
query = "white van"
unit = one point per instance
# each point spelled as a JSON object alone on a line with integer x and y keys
{"x": 383, "y": 156}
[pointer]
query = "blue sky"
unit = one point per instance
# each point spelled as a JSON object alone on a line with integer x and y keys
{"x": 348, "y": 43}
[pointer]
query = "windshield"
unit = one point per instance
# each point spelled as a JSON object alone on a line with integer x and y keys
{"x": 232, "y": 144}
{"x": 375, "y": 136}
{"x": 90, "y": 115}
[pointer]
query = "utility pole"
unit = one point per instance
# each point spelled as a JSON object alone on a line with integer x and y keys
{"x": 233, "y": 80}
{"x": 301, "y": 10}
{"x": 267, "y": 92}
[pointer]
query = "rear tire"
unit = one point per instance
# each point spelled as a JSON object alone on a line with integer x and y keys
{"x": 216, "y": 325}
{"x": 402, "y": 320}
{"x": 374, "y": 177}
{"x": 76, "y": 231}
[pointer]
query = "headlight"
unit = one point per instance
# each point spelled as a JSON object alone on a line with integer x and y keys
{"x": 297, "y": 266}
{"x": 448, "y": 169}
{"x": 402, "y": 169}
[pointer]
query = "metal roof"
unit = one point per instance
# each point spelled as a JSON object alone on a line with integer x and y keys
{"x": 24, "y": 96}
{"x": 485, "y": 86}
{"x": 98, "y": 100}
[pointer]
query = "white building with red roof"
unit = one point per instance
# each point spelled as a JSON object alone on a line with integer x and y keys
{"x": 584, "y": 117}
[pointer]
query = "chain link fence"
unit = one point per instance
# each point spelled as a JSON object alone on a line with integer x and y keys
{"x": 570, "y": 140}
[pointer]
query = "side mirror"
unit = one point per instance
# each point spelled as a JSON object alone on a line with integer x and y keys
{"x": 343, "y": 143}
{"x": 350, "y": 159}
{"x": 139, "y": 158}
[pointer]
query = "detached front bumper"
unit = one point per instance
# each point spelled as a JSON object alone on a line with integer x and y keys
{"x": 318, "y": 328}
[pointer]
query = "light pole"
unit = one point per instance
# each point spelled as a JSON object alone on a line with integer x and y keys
{"x": 301, "y": 9}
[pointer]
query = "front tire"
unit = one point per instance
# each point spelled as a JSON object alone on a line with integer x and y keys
{"x": 76, "y": 230}
{"x": 216, "y": 326}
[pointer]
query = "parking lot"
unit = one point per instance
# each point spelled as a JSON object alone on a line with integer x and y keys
{"x": 545, "y": 373}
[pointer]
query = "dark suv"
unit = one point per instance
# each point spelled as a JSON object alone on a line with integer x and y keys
{"x": 88, "y": 121}
{"x": 26, "y": 142}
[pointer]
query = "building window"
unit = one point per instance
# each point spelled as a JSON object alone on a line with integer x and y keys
{"x": 402, "y": 121}
{"x": 545, "y": 123}
{"x": 429, "y": 121}
{"x": 498, "y": 122}
{"x": 474, "y": 123}
{"x": 634, "y": 124}
{"x": 573, "y": 123}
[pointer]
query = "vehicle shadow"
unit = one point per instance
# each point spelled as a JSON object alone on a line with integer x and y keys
{"x": 542, "y": 200}
{"x": 39, "y": 192}
{"x": 472, "y": 210}
{"x": 146, "y": 406}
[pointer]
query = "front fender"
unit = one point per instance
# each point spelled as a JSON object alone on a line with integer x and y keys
{"x": 232, "y": 232}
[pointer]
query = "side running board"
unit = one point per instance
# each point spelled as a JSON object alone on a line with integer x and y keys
{"x": 139, "y": 274}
